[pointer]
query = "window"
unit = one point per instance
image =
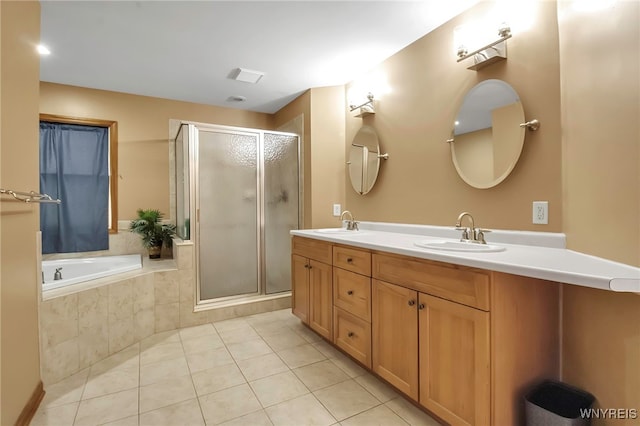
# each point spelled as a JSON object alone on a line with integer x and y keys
{"x": 69, "y": 166}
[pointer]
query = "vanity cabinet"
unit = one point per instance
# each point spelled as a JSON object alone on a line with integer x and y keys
{"x": 446, "y": 342}
{"x": 312, "y": 284}
{"x": 454, "y": 361}
{"x": 465, "y": 343}
{"x": 395, "y": 336}
{"x": 300, "y": 287}
{"x": 352, "y": 302}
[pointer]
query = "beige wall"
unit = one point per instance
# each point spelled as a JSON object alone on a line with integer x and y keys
{"x": 600, "y": 65}
{"x": 143, "y": 129}
{"x": 419, "y": 183}
{"x": 328, "y": 164}
{"x": 19, "y": 222}
{"x": 323, "y": 151}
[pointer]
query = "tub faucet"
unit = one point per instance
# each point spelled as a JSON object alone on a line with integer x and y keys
{"x": 58, "y": 275}
{"x": 352, "y": 225}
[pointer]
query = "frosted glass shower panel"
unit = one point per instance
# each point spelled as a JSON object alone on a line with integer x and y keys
{"x": 281, "y": 208}
{"x": 182, "y": 183}
{"x": 228, "y": 219}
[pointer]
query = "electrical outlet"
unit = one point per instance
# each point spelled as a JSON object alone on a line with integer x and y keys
{"x": 337, "y": 210}
{"x": 541, "y": 212}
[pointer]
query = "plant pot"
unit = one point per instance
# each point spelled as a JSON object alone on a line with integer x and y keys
{"x": 154, "y": 252}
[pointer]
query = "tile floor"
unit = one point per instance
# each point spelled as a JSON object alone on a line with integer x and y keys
{"x": 265, "y": 369}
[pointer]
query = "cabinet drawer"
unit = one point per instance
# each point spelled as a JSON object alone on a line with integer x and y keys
{"x": 457, "y": 283}
{"x": 352, "y": 292}
{"x": 353, "y": 335}
{"x": 352, "y": 260}
{"x": 313, "y": 249}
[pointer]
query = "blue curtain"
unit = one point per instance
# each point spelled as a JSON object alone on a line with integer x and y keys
{"x": 74, "y": 166}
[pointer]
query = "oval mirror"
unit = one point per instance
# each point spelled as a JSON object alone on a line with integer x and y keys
{"x": 364, "y": 160}
{"x": 487, "y": 136}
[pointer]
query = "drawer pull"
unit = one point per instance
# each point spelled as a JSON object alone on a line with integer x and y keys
{"x": 349, "y": 260}
{"x": 421, "y": 306}
{"x": 350, "y": 334}
{"x": 350, "y": 292}
{"x": 411, "y": 302}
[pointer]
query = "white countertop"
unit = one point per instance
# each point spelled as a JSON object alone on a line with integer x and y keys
{"x": 531, "y": 254}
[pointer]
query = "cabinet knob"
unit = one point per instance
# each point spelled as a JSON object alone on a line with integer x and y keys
{"x": 310, "y": 267}
{"x": 412, "y": 302}
{"x": 351, "y": 334}
{"x": 349, "y": 260}
{"x": 421, "y": 306}
{"x": 350, "y": 292}
{"x": 306, "y": 266}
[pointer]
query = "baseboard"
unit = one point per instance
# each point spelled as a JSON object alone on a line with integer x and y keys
{"x": 31, "y": 407}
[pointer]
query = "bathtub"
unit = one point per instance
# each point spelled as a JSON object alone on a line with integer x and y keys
{"x": 75, "y": 271}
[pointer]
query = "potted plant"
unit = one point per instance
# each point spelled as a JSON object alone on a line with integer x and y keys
{"x": 154, "y": 234}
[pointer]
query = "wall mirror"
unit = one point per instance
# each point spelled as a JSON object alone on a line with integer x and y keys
{"x": 488, "y": 134}
{"x": 364, "y": 160}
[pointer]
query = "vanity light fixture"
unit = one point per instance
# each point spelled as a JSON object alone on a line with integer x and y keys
{"x": 366, "y": 108}
{"x": 488, "y": 54}
{"x": 43, "y": 50}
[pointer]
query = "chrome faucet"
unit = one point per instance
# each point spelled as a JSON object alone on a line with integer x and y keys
{"x": 58, "y": 275}
{"x": 472, "y": 234}
{"x": 352, "y": 225}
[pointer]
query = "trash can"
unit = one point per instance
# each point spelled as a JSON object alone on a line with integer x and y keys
{"x": 557, "y": 404}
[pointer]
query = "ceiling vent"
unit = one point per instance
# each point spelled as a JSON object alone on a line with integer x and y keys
{"x": 248, "y": 76}
{"x": 236, "y": 99}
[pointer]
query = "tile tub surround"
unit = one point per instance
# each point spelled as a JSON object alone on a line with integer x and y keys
{"x": 79, "y": 329}
{"x": 281, "y": 374}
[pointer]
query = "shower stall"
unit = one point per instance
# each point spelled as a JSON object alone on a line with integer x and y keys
{"x": 237, "y": 198}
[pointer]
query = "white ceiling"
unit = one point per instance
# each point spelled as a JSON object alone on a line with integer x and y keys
{"x": 186, "y": 50}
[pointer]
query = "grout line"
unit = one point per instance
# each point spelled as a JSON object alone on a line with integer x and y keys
{"x": 139, "y": 377}
{"x": 84, "y": 386}
{"x": 191, "y": 373}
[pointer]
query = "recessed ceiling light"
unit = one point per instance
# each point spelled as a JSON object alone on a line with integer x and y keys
{"x": 248, "y": 76}
{"x": 236, "y": 99}
{"x": 43, "y": 50}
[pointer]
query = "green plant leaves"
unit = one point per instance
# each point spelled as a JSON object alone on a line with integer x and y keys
{"x": 153, "y": 233}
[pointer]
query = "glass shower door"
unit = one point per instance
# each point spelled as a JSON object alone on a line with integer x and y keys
{"x": 182, "y": 170}
{"x": 281, "y": 208}
{"x": 227, "y": 202}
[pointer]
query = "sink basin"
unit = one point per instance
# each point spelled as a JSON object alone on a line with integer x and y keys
{"x": 335, "y": 231}
{"x": 448, "y": 245}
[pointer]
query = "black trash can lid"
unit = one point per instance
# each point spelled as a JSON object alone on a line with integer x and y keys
{"x": 560, "y": 399}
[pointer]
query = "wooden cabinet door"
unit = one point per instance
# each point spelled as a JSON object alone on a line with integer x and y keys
{"x": 395, "y": 336}
{"x": 321, "y": 298}
{"x": 300, "y": 287}
{"x": 454, "y": 361}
